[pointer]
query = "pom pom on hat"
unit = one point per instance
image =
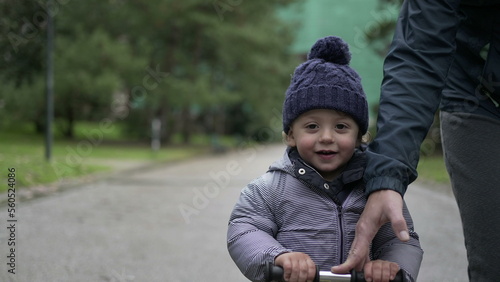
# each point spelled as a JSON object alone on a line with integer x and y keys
{"x": 325, "y": 81}
{"x": 331, "y": 49}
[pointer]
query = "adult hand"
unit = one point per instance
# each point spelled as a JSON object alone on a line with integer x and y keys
{"x": 297, "y": 267}
{"x": 382, "y": 206}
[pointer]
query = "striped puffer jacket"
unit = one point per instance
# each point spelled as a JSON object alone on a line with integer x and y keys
{"x": 292, "y": 208}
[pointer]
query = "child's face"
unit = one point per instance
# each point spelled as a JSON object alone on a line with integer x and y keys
{"x": 325, "y": 139}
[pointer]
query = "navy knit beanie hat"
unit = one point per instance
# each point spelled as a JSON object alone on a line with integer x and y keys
{"x": 325, "y": 81}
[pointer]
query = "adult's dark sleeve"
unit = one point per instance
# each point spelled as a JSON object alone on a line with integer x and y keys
{"x": 415, "y": 71}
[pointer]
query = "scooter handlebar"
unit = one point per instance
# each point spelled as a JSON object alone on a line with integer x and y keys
{"x": 275, "y": 273}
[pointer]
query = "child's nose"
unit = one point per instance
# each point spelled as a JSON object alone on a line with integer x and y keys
{"x": 327, "y": 136}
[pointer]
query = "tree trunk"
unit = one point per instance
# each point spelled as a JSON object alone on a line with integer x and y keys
{"x": 167, "y": 130}
{"x": 70, "y": 118}
{"x": 39, "y": 125}
{"x": 186, "y": 129}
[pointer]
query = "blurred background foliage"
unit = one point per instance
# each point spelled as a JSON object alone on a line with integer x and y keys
{"x": 379, "y": 37}
{"x": 209, "y": 67}
{"x": 217, "y": 67}
{"x": 212, "y": 72}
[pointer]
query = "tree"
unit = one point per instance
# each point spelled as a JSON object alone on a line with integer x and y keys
{"x": 21, "y": 49}
{"x": 21, "y": 40}
{"x": 379, "y": 35}
{"x": 89, "y": 69}
{"x": 189, "y": 63}
{"x": 219, "y": 56}
{"x": 90, "y": 66}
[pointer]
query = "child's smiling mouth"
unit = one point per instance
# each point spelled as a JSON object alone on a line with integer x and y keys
{"x": 326, "y": 154}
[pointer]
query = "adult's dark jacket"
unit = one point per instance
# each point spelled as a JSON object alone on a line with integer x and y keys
{"x": 445, "y": 54}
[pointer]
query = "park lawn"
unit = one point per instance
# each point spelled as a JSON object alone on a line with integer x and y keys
{"x": 81, "y": 158}
{"x": 25, "y": 152}
{"x": 73, "y": 159}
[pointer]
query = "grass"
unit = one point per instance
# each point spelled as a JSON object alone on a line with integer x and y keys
{"x": 21, "y": 149}
{"x": 92, "y": 153}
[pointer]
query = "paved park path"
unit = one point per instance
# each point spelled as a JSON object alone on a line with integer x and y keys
{"x": 168, "y": 223}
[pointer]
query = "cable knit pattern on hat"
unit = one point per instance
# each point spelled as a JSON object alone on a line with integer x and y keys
{"x": 325, "y": 81}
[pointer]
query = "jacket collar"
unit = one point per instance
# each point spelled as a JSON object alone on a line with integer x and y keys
{"x": 293, "y": 164}
{"x": 352, "y": 172}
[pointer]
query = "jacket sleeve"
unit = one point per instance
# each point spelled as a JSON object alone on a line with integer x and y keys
{"x": 415, "y": 71}
{"x": 251, "y": 233}
{"x": 408, "y": 255}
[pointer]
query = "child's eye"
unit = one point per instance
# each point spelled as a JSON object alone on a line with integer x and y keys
{"x": 312, "y": 126}
{"x": 341, "y": 126}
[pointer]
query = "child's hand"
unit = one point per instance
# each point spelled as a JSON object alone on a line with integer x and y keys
{"x": 298, "y": 267}
{"x": 380, "y": 271}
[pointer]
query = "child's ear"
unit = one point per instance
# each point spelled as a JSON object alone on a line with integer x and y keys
{"x": 363, "y": 139}
{"x": 289, "y": 139}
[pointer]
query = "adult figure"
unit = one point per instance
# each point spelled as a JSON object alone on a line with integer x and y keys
{"x": 444, "y": 54}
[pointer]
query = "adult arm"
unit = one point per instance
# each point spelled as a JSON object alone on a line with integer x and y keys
{"x": 408, "y": 255}
{"x": 415, "y": 72}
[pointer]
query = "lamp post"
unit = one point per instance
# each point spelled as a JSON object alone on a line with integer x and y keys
{"x": 49, "y": 98}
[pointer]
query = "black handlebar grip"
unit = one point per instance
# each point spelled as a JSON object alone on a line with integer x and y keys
{"x": 360, "y": 276}
{"x": 275, "y": 273}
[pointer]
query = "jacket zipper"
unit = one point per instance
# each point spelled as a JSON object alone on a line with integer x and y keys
{"x": 341, "y": 226}
{"x": 341, "y": 229}
{"x": 340, "y": 217}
